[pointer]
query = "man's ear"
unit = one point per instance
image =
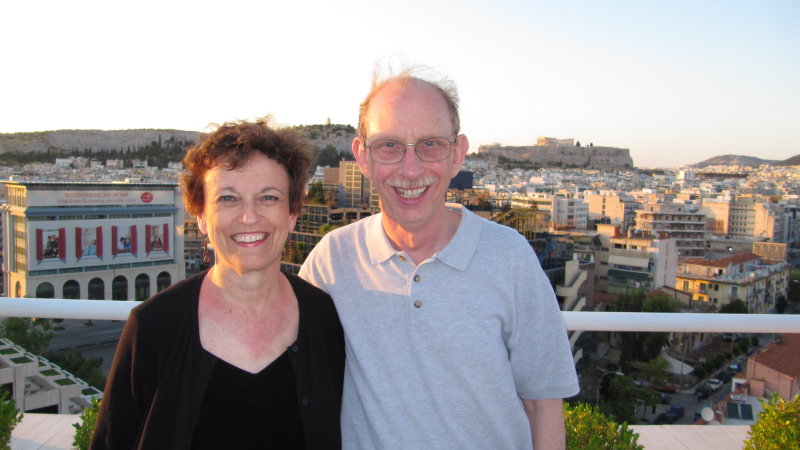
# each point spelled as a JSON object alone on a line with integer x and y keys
{"x": 362, "y": 158}
{"x": 460, "y": 149}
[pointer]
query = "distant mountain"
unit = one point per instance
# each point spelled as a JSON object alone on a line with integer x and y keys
{"x": 734, "y": 160}
{"x": 793, "y": 161}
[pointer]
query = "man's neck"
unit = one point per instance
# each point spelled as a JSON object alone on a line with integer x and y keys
{"x": 420, "y": 243}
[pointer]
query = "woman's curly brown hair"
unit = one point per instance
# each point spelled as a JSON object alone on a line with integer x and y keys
{"x": 232, "y": 145}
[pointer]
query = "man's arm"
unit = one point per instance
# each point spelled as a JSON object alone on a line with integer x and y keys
{"x": 547, "y": 423}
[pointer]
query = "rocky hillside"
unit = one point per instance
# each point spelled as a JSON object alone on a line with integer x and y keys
{"x": 64, "y": 142}
{"x": 734, "y": 160}
{"x": 600, "y": 158}
{"x": 320, "y": 136}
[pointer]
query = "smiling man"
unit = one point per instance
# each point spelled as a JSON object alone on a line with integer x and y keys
{"x": 453, "y": 335}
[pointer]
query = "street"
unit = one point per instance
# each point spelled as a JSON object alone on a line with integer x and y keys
{"x": 96, "y": 340}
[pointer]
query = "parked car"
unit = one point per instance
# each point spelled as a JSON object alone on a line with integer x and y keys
{"x": 667, "y": 388}
{"x": 734, "y": 368}
{"x": 714, "y": 384}
{"x": 664, "y": 398}
{"x": 724, "y": 376}
{"x": 702, "y": 392}
{"x": 674, "y": 413}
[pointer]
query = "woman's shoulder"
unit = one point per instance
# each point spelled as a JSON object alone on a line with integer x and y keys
{"x": 173, "y": 301}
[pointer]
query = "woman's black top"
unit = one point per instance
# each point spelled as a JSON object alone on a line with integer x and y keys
{"x": 161, "y": 371}
{"x": 245, "y": 410}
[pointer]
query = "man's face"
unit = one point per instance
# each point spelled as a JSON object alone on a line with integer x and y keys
{"x": 412, "y": 191}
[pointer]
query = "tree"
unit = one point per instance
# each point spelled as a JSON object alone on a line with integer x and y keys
{"x": 622, "y": 398}
{"x": 777, "y": 426}
{"x": 87, "y": 369}
{"x": 34, "y": 335}
{"x": 328, "y": 156}
{"x": 655, "y": 370}
{"x": 85, "y": 428}
{"x": 10, "y": 416}
{"x": 316, "y": 194}
{"x": 586, "y": 427}
{"x": 735, "y": 306}
{"x": 643, "y": 346}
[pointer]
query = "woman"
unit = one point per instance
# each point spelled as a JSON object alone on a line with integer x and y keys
{"x": 241, "y": 355}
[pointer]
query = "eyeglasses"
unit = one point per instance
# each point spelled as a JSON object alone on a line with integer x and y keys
{"x": 390, "y": 151}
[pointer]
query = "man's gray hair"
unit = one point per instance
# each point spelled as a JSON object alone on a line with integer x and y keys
{"x": 445, "y": 87}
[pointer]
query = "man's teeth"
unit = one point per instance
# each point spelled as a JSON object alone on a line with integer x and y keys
{"x": 411, "y": 193}
{"x": 244, "y": 238}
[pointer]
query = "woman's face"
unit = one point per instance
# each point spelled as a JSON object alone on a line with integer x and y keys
{"x": 246, "y": 214}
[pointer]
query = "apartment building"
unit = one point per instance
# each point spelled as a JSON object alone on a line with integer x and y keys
{"x": 87, "y": 240}
{"x": 634, "y": 261}
{"x": 751, "y": 216}
{"x": 618, "y": 208}
{"x": 674, "y": 220}
{"x": 566, "y": 212}
{"x": 744, "y": 276}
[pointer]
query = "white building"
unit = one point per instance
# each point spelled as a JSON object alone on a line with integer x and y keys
{"x": 87, "y": 240}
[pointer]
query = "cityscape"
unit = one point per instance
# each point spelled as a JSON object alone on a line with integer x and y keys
{"x": 713, "y": 239}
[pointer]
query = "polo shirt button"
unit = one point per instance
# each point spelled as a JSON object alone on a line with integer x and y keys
{"x": 418, "y": 304}
{"x": 295, "y": 348}
{"x": 417, "y": 278}
{"x": 402, "y": 258}
{"x": 304, "y": 401}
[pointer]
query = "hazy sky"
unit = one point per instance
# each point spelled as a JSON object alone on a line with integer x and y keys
{"x": 675, "y": 82}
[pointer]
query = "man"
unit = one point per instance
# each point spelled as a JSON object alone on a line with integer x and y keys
{"x": 453, "y": 335}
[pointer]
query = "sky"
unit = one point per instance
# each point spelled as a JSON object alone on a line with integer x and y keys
{"x": 675, "y": 82}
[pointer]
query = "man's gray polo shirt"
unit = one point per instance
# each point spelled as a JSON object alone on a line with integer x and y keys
{"x": 439, "y": 354}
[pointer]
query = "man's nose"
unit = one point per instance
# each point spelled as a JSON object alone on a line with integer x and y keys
{"x": 411, "y": 164}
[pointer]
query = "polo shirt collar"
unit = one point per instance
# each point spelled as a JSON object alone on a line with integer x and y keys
{"x": 457, "y": 253}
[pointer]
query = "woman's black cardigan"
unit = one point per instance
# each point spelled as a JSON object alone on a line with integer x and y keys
{"x": 160, "y": 371}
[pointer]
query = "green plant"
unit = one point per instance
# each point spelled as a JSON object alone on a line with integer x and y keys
{"x": 10, "y": 416}
{"x": 778, "y": 425}
{"x": 84, "y": 429}
{"x": 588, "y": 428}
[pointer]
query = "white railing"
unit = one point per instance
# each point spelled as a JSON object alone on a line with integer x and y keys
{"x": 574, "y": 320}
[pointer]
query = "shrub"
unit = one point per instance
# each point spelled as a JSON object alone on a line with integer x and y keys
{"x": 589, "y": 428}
{"x": 778, "y": 425}
{"x": 84, "y": 429}
{"x": 10, "y": 416}
{"x": 700, "y": 372}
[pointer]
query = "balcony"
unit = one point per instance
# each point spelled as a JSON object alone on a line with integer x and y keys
{"x": 55, "y": 431}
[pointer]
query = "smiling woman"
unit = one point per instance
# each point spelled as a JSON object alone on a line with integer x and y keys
{"x": 224, "y": 359}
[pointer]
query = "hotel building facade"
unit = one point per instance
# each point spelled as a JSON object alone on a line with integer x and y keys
{"x": 88, "y": 240}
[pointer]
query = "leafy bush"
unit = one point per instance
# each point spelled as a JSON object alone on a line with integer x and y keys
{"x": 84, "y": 429}
{"x": 700, "y": 372}
{"x": 778, "y": 425}
{"x": 10, "y": 416}
{"x": 589, "y": 428}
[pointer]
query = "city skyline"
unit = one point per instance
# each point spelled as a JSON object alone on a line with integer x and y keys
{"x": 675, "y": 83}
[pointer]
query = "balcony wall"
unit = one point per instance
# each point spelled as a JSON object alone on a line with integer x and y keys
{"x": 39, "y": 431}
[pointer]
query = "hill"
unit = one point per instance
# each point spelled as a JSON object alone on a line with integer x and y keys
{"x": 70, "y": 141}
{"x": 793, "y": 161}
{"x": 567, "y": 156}
{"x": 734, "y": 160}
